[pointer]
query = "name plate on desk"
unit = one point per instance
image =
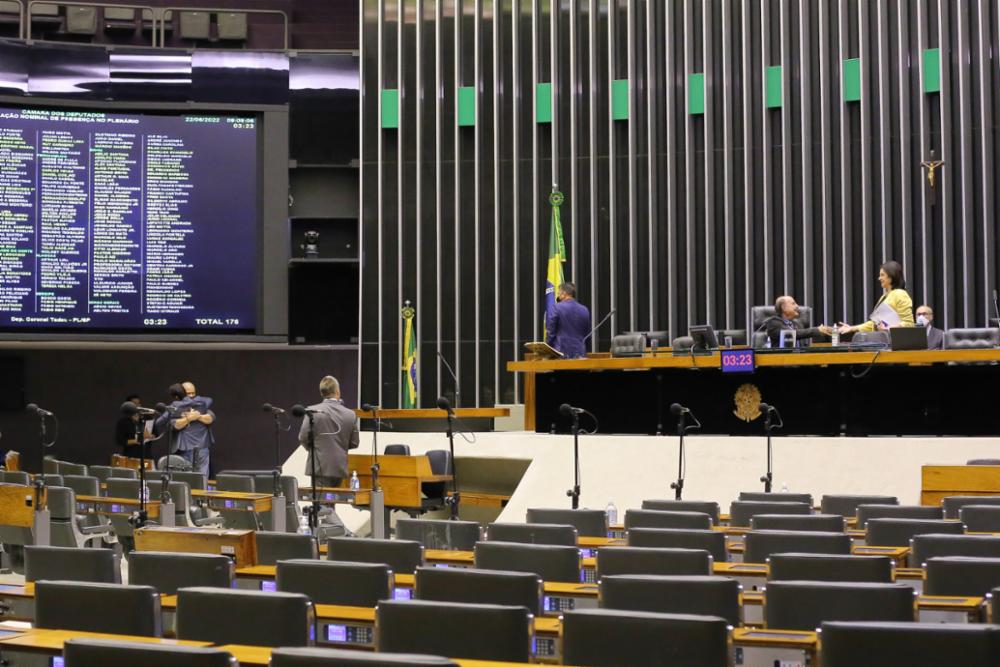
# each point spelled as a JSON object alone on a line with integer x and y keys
{"x": 737, "y": 361}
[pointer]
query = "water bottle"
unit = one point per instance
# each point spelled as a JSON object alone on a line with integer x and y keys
{"x": 835, "y": 336}
{"x": 767, "y": 341}
{"x": 784, "y": 487}
{"x": 304, "y": 525}
{"x": 355, "y": 482}
{"x": 612, "y": 513}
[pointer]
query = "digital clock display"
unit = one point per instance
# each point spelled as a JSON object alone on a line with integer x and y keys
{"x": 737, "y": 361}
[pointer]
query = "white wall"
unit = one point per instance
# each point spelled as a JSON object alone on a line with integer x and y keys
{"x": 628, "y": 469}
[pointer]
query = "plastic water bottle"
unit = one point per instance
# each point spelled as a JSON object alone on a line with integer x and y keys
{"x": 612, "y": 513}
{"x": 355, "y": 482}
{"x": 835, "y": 336}
{"x": 767, "y": 342}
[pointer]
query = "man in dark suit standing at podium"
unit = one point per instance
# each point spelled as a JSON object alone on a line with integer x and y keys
{"x": 568, "y": 323}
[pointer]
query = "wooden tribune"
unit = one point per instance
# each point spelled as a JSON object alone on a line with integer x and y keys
{"x": 18, "y": 504}
{"x": 939, "y": 481}
{"x": 399, "y": 476}
{"x": 240, "y": 545}
{"x": 122, "y": 461}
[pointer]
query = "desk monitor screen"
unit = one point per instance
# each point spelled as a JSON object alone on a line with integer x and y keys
{"x": 704, "y": 338}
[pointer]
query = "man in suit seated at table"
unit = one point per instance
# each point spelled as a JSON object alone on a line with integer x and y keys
{"x": 935, "y": 336}
{"x": 784, "y": 319}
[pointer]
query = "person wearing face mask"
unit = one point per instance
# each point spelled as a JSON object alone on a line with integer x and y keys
{"x": 568, "y": 324}
{"x": 890, "y": 277}
{"x": 935, "y": 336}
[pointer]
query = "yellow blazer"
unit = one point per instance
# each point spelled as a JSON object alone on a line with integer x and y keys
{"x": 899, "y": 301}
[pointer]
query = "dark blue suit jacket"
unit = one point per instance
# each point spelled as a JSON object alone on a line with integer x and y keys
{"x": 567, "y": 326}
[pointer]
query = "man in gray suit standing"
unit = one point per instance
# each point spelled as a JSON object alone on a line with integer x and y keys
{"x": 335, "y": 432}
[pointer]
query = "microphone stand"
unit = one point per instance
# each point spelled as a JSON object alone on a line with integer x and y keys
{"x": 678, "y": 486}
{"x": 574, "y": 493}
{"x": 167, "y": 507}
{"x": 454, "y": 499}
{"x": 139, "y": 520}
{"x": 314, "y": 507}
{"x": 453, "y": 376}
{"x": 768, "y": 426}
{"x": 278, "y": 501}
{"x": 377, "y": 502}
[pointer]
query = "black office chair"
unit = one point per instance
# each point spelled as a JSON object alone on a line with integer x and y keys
{"x": 67, "y": 468}
{"x": 910, "y": 644}
{"x": 472, "y": 631}
{"x": 69, "y": 564}
{"x": 452, "y": 584}
{"x": 712, "y": 541}
{"x": 827, "y": 523}
{"x": 195, "y": 480}
{"x": 396, "y": 450}
{"x": 588, "y": 523}
{"x": 760, "y": 544}
{"x": 661, "y": 519}
{"x": 66, "y": 528}
{"x": 925, "y": 547}
{"x": 550, "y": 562}
{"x": 328, "y": 657}
{"x": 702, "y": 595}
{"x": 100, "y": 472}
{"x": 92, "y": 607}
{"x": 263, "y": 619}
{"x": 899, "y": 532}
{"x": 238, "y": 519}
{"x": 440, "y": 533}
{"x": 847, "y": 505}
{"x": 272, "y": 547}
{"x": 741, "y": 511}
{"x": 15, "y": 477}
{"x": 804, "y": 605}
{"x": 113, "y": 653}
{"x": 641, "y": 560}
{"x": 980, "y": 518}
{"x": 928, "y": 512}
{"x": 777, "y": 497}
{"x": 643, "y": 639}
{"x": 953, "y": 504}
{"x": 532, "y": 533}
{"x": 169, "y": 571}
{"x": 402, "y": 556}
{"x": 50, "y": 479}
{"x": 760, "y": 314}
{"x": 960, "y": 575}
{"x": 123, "y": 487}
{"x": 704, "y": 506}
{"x": 829, "y": 567}
{"x": 628, "y": 345}
{"x": 336, "y": 582}
{"x": 972, "y": 339}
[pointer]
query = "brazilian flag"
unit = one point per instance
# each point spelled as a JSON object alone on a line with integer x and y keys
{"x": 557, "y": 255}
{"x": 409, "y": 358}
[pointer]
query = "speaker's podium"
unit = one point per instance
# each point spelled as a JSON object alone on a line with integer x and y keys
{"x": 400, "y": 477}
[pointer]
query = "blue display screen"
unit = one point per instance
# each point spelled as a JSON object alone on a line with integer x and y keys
{"x": 402, "y": 594}
{"x": 118, "y": 221}
{"x": 269, "y": 586}
{"x": 336, "y": 633}
{"x": 737, "y": 361}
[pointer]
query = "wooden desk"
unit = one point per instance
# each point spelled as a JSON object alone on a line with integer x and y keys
{"x": 340, "y": 495}
{"x": 107, "y": 506}
{"x": 122, "y": 461}
{"x": 775, "y": 647}
{"x": 939, "y": 481}
{"x": 234, "y": 500}
{"x": 261, "y": 655}
{"x": 19, "y": 503}
{"x": 611, "y": 389}
{"x": 240, "y": 545}
{"x": 399, "y": 476}
{"x": 50, "y": 642}
{"x": 17, "y": 603}
{"x": 949, "y": 609}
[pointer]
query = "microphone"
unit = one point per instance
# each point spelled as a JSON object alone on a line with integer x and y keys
{"x": 677, "y": 409}
{"x": 162, "y": 407}
{"x": 453, "y": 376}
{"x": 567, "y": 410}
{"x": 444, "y": 404}
{"x": 129, "y": 408}
{"x": 368, "y": 407}
{"x": 267, "y": 407}
{"x": 32, "y": 407}
{"x": 300, "y": 410}
{"x": 764, "y": 407}
{"x": 996, "y": 306}
{"x": 612, "y": 312}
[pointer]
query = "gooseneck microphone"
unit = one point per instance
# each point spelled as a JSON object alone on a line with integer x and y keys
{"x": 273, "y": 409}
{"x": 299, "y": 410}
{"x": 34, "y": 409}
{"x": 368, "y": 407}
{"x": 567, "y": 410}
{"x": 677, "y": 409}
{"x": 129, "y": 408}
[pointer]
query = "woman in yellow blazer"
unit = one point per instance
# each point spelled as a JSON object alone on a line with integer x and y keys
{"x": 890, "y": 277}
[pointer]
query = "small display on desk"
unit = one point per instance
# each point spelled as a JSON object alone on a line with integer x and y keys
{"x": 116, "y": 508}
{"x": 737, "y": 361}
{"x": 402, "y": 594}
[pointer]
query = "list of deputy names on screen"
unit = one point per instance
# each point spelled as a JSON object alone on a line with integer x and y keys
{"x": 94, "y": 220}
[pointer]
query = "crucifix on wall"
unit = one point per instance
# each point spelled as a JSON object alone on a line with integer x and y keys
{"x": 932, "y": 165}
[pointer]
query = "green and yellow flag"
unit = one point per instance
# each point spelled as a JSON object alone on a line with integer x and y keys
{"x": 557, "y": 255}
{"x": 409, "y": 358}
